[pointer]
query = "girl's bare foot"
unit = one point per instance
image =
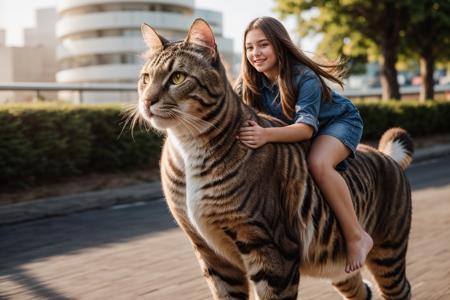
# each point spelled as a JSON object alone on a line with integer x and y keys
{"x": 357, "y": 251}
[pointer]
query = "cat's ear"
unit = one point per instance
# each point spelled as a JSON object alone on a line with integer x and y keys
{"x": 201, "y": 34}
{"x": 152, "y": 39}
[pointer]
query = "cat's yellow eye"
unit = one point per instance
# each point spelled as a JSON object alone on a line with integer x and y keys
{"x": 145, "y": 78}
{"x": 177, "y": 78}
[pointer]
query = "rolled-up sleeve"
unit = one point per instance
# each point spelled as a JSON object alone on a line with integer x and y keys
{"x": 307, "y": 106}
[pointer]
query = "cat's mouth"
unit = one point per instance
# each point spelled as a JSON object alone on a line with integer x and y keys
{"x": 157, "y": 114}
{"x": 160, "y": 117}
{"x": 148, "y": 112}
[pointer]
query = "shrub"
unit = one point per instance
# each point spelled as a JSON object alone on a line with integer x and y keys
{"x": 41, "y": 143}
{"x": 419, "y": 119}
{"x": 47, "y": 142}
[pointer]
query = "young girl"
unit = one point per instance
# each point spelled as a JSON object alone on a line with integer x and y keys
{"x": 278, "y": 79}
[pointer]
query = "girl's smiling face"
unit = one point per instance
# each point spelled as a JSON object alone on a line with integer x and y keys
{"x": 261, "y": 54}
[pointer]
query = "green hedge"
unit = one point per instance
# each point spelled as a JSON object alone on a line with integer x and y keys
{"x": 47, "y": 142}
{"x": 419, "y": 119}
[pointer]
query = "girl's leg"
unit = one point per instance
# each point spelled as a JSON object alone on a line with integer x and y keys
{"x": 326, "y": 152}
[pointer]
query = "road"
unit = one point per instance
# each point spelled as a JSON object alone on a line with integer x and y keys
{"x": 137, "y": 252}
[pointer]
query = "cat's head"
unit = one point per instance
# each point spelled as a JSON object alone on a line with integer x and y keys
{"x": 181, "y": 81}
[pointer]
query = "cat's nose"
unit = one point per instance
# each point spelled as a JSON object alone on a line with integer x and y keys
{"x": 151, "y": 99}
{"x": 148, "y": 102}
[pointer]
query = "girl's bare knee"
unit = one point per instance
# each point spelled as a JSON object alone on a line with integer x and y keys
{"x": 318, "y": 167}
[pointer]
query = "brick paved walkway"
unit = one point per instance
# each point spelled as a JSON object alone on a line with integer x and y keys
{"x": 139, "y": 253}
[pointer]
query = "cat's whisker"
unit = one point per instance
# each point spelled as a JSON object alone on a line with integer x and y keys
{"x": 131, "y": 116}
{"x": 183, "y": 118}
{"x": 188, "y": 125}
{"x": 191, "y": 123}
{"x": 196, "y": 120}
{"x": 191, "y": 126}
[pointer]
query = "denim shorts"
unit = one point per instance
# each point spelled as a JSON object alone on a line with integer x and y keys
{"x": 348, "y": 129}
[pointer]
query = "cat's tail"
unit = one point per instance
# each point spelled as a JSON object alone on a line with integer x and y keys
{"x": 397, "y": 143}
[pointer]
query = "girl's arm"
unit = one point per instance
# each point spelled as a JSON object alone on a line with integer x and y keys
{"x": 292, "y": 133}
{"x": 254, "y": 136}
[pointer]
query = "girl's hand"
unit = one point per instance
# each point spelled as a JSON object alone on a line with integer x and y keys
{"x": 252, "y": 136}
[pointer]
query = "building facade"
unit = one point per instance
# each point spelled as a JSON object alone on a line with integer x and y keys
{"x": 2, "y": 37}
{"x": 100, "y": 40}
{"x": 43, "y": 34}
{"x": 34, "y": 62}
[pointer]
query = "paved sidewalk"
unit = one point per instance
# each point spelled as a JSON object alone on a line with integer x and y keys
{"x": 64, "y": 205}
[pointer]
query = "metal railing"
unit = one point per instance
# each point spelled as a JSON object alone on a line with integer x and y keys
{"x": 38, "y": 87}
{"x": 404, "y": 91}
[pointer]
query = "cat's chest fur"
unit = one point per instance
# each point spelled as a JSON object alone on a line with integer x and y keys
{"x": 194, "y": 193}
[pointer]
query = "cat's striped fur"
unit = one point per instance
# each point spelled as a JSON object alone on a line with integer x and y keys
{"x": 256, "y": 218}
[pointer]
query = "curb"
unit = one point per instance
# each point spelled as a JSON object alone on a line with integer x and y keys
{"x": 65, "y": 205}
{"x": 428, "y": 153}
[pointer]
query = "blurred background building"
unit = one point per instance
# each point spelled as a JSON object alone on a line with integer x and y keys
{"x": 97, "y": 41}
{"x": 44, "y": 32}
{"x": 2, "y": 37}
{"x": 100, "y": 40}
{"x": 35, "y": 61}
{"x": 84, "y": 43}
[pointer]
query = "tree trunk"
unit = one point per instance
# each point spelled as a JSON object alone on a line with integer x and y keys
{"x": 426, "y": 74}
{"x": 389, "y": 27}
{"x": 388, "y": 73}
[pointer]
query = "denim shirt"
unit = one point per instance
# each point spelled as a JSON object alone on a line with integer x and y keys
{"x": 309, "y": 108}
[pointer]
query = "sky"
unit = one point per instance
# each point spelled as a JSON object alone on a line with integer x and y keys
{"x": 15, "y": 15}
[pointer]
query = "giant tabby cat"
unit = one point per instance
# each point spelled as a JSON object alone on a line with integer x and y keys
{"x": 256, "y": 219}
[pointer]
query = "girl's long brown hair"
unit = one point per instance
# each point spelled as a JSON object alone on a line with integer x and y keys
{"x": 287, "y": 55}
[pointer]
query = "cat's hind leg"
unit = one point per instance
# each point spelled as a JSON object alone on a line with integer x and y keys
{"x": 387, "y": 263}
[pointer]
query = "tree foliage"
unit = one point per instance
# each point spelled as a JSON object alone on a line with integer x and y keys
{"x": 372, "y": 29}
{"x": 427, "y": 37}
{"x": 428, "y": 27}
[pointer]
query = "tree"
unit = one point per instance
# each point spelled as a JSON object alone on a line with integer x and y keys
{"x": 427, "y": 34}
{"x": 375, "y": 24}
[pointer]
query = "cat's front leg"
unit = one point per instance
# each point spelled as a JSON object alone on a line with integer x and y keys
{"x": 225, "y": 280}
{"x": 272, "y": 260}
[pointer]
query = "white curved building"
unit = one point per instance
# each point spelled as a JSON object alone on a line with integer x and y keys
{"x": 100, "y": 40}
